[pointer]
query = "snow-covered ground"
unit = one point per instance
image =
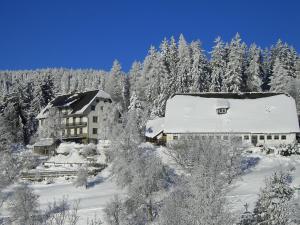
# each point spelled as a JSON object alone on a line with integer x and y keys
{"x": 102, "y": 188}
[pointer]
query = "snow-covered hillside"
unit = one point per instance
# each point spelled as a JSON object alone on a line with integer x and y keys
{"x": 102, "y": 188}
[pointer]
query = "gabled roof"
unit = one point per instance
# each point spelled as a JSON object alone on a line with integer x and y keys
{"x": 77, "y": 102}
{"x": 248, "y": 112}
{"x": 154, "y": 127}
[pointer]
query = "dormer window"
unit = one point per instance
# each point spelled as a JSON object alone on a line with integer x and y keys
{"x": 222, "y": 110}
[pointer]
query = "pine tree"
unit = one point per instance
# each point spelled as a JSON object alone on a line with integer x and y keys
{"x": 280, "y": 77}
{"x": 184, "y": 79}
{"x": 200, "y": 71}
{"x": 272, "y": 206}
{"x": 218, "y": 65}
{"x": 135, "y": 74}
{"x": 254, "y": 72}
{"x": 235, "y": 67}
{"x": 113, "y": 85}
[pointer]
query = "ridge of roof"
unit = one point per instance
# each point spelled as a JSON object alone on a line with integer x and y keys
{"x": 231, "y": 95}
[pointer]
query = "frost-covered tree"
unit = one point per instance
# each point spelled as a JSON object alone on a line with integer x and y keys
{"x": 135, "y": 74}
{"x": 235, "y": 66}
{"x": 218, "y": 65}
{"x": 23, "y": 206}
{"x": 114, "y": 82}
{"x": 280, "y": 77}
{"x": 200, "y": 71}
{"x": 254, "y": 72}
{"x": 272, "y": 206}
{"x": 199, "y": 198}
{"x": 184, "y": 79}
{"x": 82, "y": 177}
{"x": 53, "y": 126}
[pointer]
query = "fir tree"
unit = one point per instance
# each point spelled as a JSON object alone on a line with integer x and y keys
{"x": 235, "y": 67}
{"x": 272, "y": 206}
{"x": 184, "y": 79}
{"x": 254, "y": 71}
{"x": 218, "y": 65}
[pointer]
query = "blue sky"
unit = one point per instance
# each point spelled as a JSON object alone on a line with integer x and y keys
{"x": 92, "y": 33}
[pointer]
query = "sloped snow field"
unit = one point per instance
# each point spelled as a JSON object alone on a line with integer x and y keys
{"x": 102, "y": 188}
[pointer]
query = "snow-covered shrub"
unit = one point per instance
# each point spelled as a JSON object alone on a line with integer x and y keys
{"x": 65, "y": 148}
{"x": 23, "y": 206}
{"x": 273, "y": 205}
{"x": 289, "y": 149}
{"x": 267, "y": 149}
{"x": 88, "y": 150}
{"x": 81, "y": 178}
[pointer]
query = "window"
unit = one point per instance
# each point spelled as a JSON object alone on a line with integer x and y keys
{"x": 67, "y": 121}
{"x": 93, "y": 108}
{"x": 276, "y": 137}
{"x": 221, "y": 110}
{"x": 203, "y": 137}
{"x": 261, "y": 137}
{"x": 225, "y": 138}
{"x": 283, "y": 137}
{"x": 269, "y": 137}
{"x": 197, "y": 137}
{"x": 211, "y": 137}
{"x": 80, "y": 130}
{"x": 218, "y": 137}
{"x": 246, "y": 137}
{"x": 175, "y": 137}
{"x": 95, "y": 119}
{"x": 97, "y": 100}
{"x": 95, "y": 131}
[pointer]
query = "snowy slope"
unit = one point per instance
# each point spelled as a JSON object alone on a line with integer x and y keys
{"x": 92, "y": 200}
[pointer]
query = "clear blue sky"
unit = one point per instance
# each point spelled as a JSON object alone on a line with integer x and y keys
{"x": 92, "y": 33}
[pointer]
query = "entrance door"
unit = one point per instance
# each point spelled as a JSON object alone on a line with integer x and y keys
{"x": 254, "y": 139}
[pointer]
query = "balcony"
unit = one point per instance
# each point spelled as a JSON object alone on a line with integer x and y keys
{"x": 71, "y": 136}
{"x": 76, "y": 124}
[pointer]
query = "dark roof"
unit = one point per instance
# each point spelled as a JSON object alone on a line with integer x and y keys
{"x": 74, "y": 101}
{"x": 245, "y": 95}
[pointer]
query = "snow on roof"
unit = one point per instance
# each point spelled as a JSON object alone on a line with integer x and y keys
{"x": 77, "y": 102}
{"x": 260, "y": 113}
{"x": 103, "y": 94}
{"x": 154, "y": 127}
{"x": 44, "y": 142}
{"x": 222, "y": 103}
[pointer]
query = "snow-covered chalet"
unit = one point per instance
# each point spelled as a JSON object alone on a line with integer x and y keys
{"x": 81, "y": 115}
{"x": 257, "y": 118}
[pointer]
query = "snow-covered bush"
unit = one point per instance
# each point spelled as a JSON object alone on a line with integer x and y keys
{"x": 273, "y": 205}
{"x": 282, "y": 149}
{"x": 23, "y": 206}
{"x": 289, "y": 149}
{"x": 81, "y": 178}
{"x": 88, "y": 150}
{"x": 65, "y": 148}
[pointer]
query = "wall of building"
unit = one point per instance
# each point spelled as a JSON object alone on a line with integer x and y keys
{"x": 262, "y": 139}
{"x": 100, "y": 109}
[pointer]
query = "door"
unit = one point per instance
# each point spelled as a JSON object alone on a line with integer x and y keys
{"x": 254, "y": 139}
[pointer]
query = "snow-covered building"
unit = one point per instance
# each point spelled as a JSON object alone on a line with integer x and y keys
{"x": 257, "y": 118}
{"x": 154, "y": 130}
{"x": 79, "y": 117}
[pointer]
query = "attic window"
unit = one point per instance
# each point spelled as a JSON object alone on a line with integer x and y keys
{"x": 93, "y": 108}
{"x": 222, "y": 110}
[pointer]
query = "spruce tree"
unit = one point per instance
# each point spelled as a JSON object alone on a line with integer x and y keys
{"x": 272, "y": 206}
{"x": 254, "y": 72}
{"x": 235, "y": 67}
{"x": 218, "y": 65}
